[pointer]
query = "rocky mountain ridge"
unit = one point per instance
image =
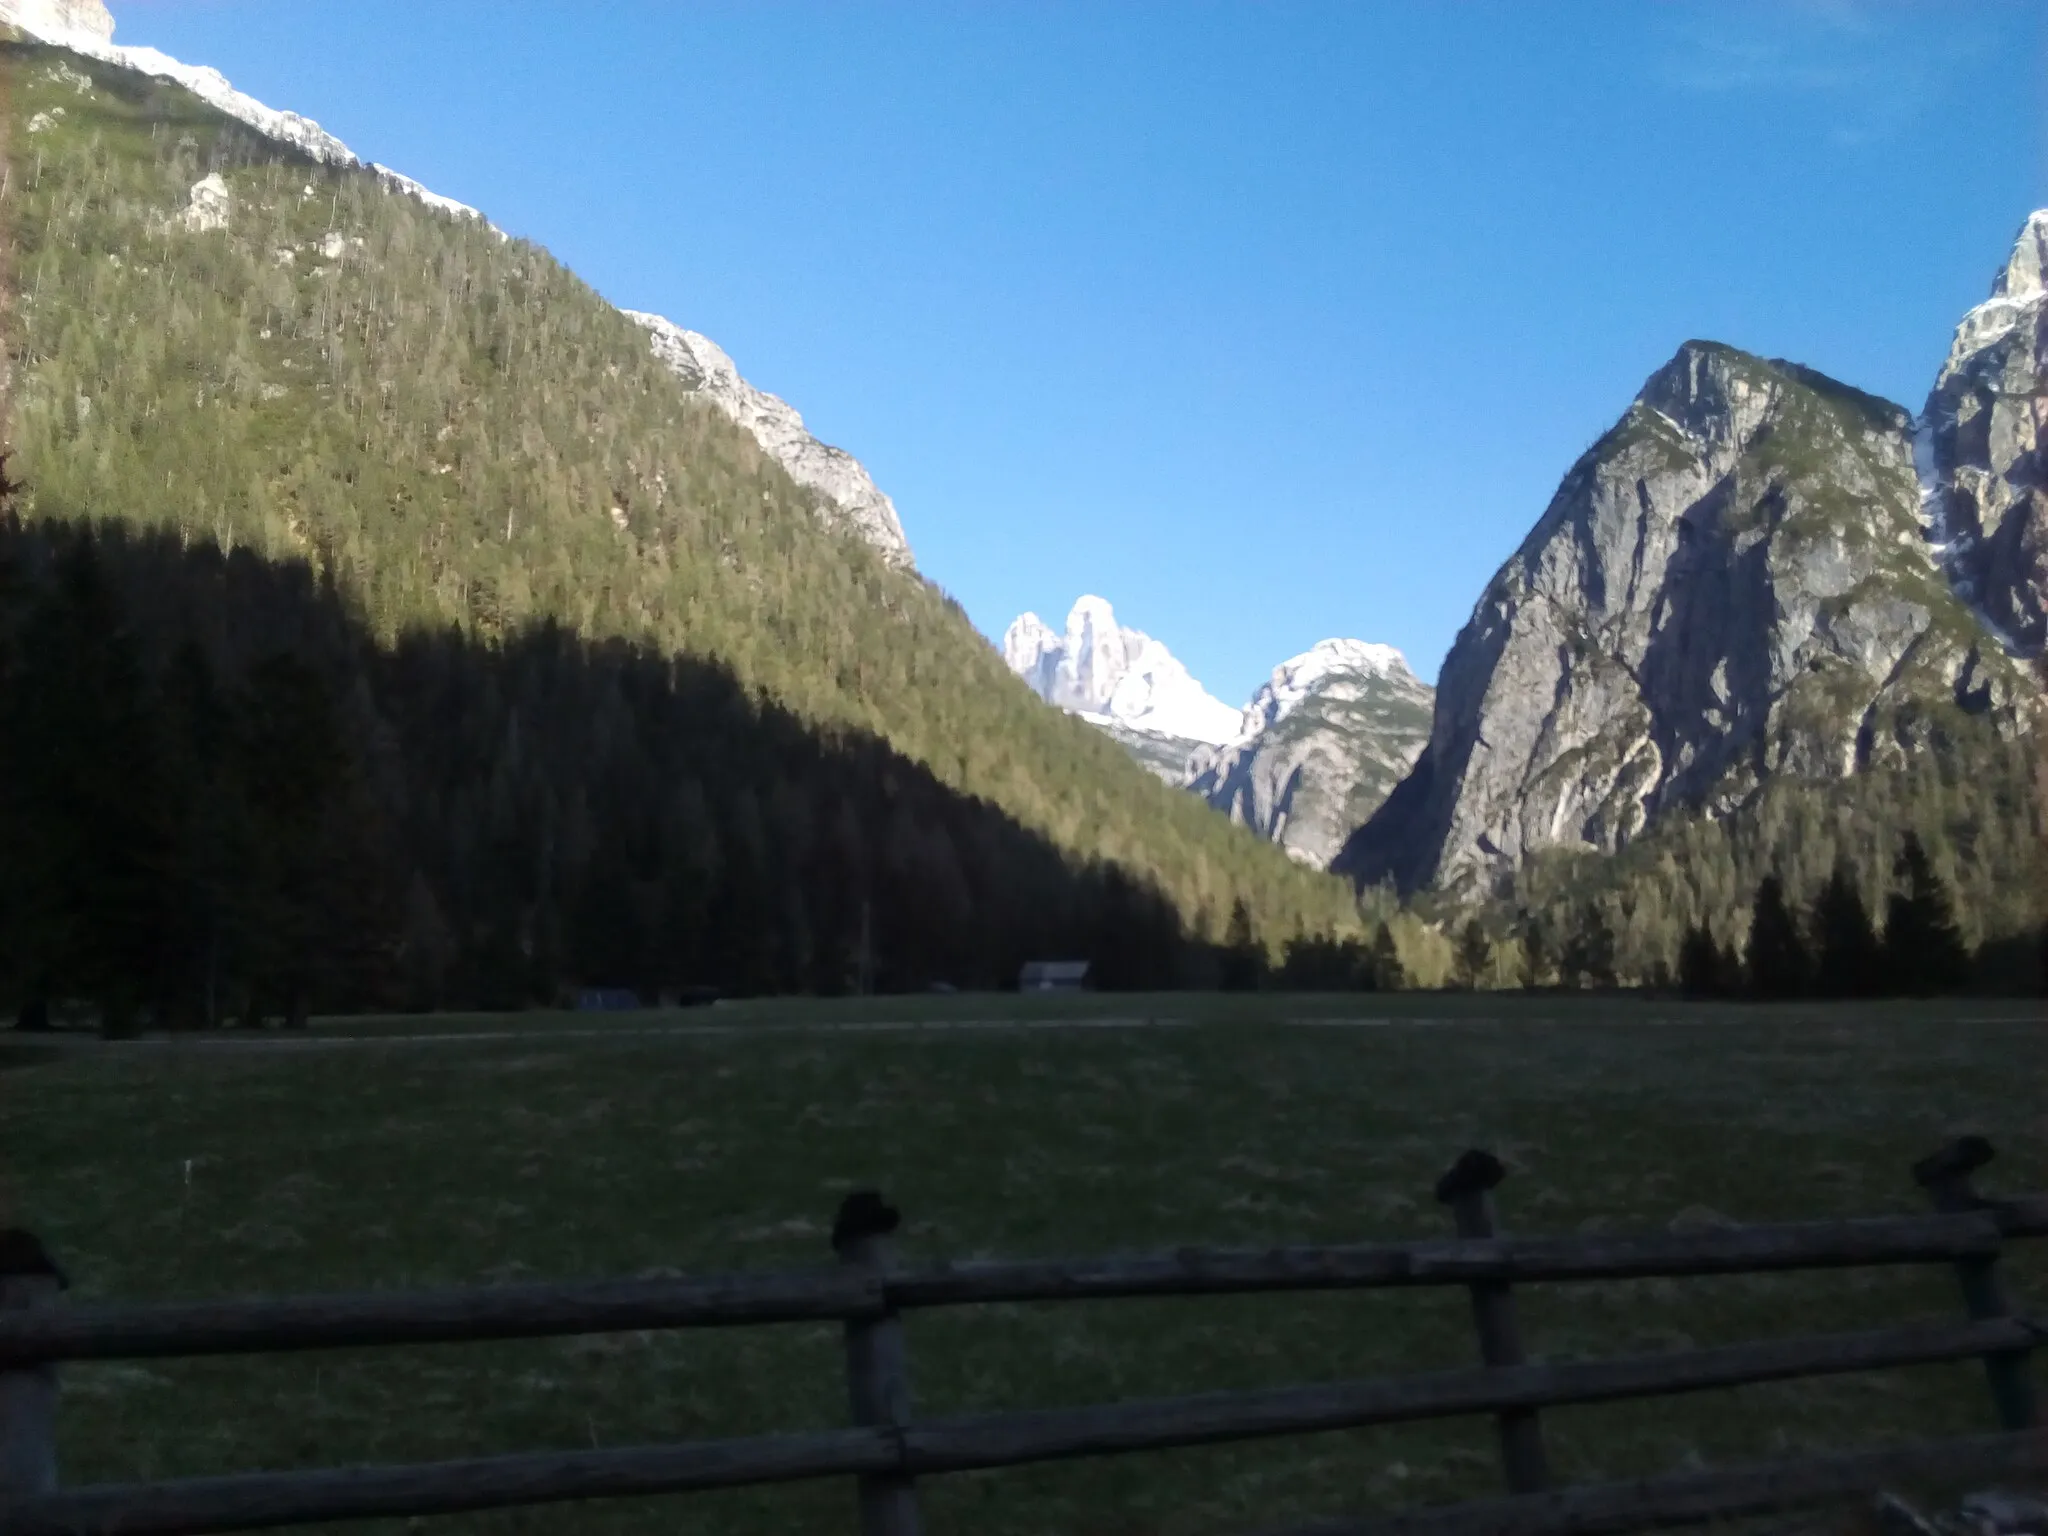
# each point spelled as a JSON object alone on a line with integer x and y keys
{"x": 1319, "y": 747}
{"x": 1121, "y": 679}
{"x": 1738, "y": 580}
{"x": 1311, "y": 755}
{"x": 850, "y": 495}
{"x": 837, "y": 475}
{"x": 1980, "y": 454}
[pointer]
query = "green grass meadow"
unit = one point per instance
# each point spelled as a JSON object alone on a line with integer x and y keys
{"x": 398, "y": 1153}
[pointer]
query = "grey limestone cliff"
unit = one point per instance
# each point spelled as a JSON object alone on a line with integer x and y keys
{"x": 1735, "y": 581}
{"x": 1982, "y": 462}
{"x": 1323, "y": 742}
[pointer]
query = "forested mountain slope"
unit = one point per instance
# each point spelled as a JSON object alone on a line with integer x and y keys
{"x": 473, "y": 464}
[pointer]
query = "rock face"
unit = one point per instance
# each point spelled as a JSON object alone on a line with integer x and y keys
{"x": 1306, "y": 761}
{"x": 1735, "y": 581}
{"x": 43, "y": 17}
{"x": 1319, "y": 748}
{"x": 1981, "y": 454}
{"x": 1121, "y": 680}
{"x": 835, "y": 474}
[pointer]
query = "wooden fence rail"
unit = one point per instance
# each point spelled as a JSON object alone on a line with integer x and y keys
{"x": 890, "y": 1447}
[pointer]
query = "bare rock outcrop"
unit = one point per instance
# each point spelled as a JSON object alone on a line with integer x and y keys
{"x": 1981, "y": 453}
{"x": 1734, "y": 582}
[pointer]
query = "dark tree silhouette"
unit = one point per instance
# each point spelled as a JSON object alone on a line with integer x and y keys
{"x": 1700, "y": 972}
{"x": 1475, "y": 950}
{"x": 1850, "y": 959}
{"x": 1588, "y": 955}
{"x": 1388, "y": 974}
{"x": 1778, "y": 964}
{"x": 1924, "y": 954}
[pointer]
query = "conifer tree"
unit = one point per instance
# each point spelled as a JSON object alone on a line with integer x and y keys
{"x": 1850, "y": 959}
{"x": 1700, "y": 970}
{"x": 1388, "y": 973}
{"x": 1924, "y": 954}
{"x": 1776, "y": 957}
{"x": 1475, "y": 952}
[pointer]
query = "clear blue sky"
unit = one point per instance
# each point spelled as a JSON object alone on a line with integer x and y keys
{"x": 1267, "y": 321}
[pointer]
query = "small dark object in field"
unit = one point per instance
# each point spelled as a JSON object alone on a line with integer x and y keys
{"x": 23, "y": 1253}
{"x": 864, "y": 1213}
{"x": 1474, "y": 1173}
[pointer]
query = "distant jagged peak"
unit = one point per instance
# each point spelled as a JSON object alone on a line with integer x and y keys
{"x": 48, "y": 18}
{"x": 2025, "y": 273}
{"x": 1099, "y": 669}
{"x": 1324, "y": 665}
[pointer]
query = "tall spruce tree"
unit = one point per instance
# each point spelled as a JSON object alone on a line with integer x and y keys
{"x": 1388, "y": 973}
{"x": 1778, "y": 964}
{"x": 1924, "y": 954}
{"x": 1850, "y": 959}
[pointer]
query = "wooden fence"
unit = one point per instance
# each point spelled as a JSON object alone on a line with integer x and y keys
{"x": 888, "y": 1448}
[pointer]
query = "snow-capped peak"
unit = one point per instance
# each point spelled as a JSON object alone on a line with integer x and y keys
{"x": 2026, "y": 270}
{"x": 1300, "y": 676}
{"x": 86, "y": 27}
{"x": 1099, "y": 669}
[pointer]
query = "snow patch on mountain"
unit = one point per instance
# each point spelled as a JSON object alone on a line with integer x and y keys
{"x": 86, "y": 27}
{"x": 1100, "y": 669}
{"x": 1299, "y": 677}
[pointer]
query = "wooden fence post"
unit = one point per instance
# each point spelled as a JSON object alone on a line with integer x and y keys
{"x": 1468, "y": 1190}
{"x": 28, "y": 1394}
{"x": 1946, "y": 1175}
{"x": 877, "y": 1363}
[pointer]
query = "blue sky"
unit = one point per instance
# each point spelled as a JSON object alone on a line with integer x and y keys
{"x": 1268, "y": 322}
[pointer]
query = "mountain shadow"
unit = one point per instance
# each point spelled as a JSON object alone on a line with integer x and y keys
{"x": 225, "y": 796}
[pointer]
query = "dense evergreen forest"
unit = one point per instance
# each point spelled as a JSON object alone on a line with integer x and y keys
{"x": 1958, "y": 833}
{"x": 353, "y": 471}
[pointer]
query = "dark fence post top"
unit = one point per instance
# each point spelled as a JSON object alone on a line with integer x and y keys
{"x": 1476, "y": 1172}
{"x": 23, "y": 1256}
{"x": 1958, "y": 1160}
{"x": 863, "y": 1214}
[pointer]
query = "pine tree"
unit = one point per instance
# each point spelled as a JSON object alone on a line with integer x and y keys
{"x": 1243, "y": 961}
{"x": 1850, "y": 957}
{"x": 1778, "y": 964}
{"x": 1475, "y": 952}
{"x": 1589, "y": 953}
{"x": 1924, "y": 953}
{"x": 1700, "y": 971}
{"x": 1388, "y": 974}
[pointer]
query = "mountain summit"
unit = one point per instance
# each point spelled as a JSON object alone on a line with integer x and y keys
{"x": 1312, "y": 755}
{"x": 1121, "y": 679}
{"x": 1735, "y": 582}
{"x": 50, "y": 18}
{"x": 1979, "y": 449}
{"x": 1319, "y": 747}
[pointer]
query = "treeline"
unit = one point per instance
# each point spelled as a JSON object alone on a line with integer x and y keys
{"x": 453, "y": 431}
{"x": 1957, "y": 826}
{"x": 221, "y": 799}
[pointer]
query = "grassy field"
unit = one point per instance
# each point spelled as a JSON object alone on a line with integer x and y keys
{"x": 387, "y": 1153}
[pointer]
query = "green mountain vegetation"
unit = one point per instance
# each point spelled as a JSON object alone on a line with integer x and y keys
{"x": 380, "y": 622}
{"x": 1961, "y": 826}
